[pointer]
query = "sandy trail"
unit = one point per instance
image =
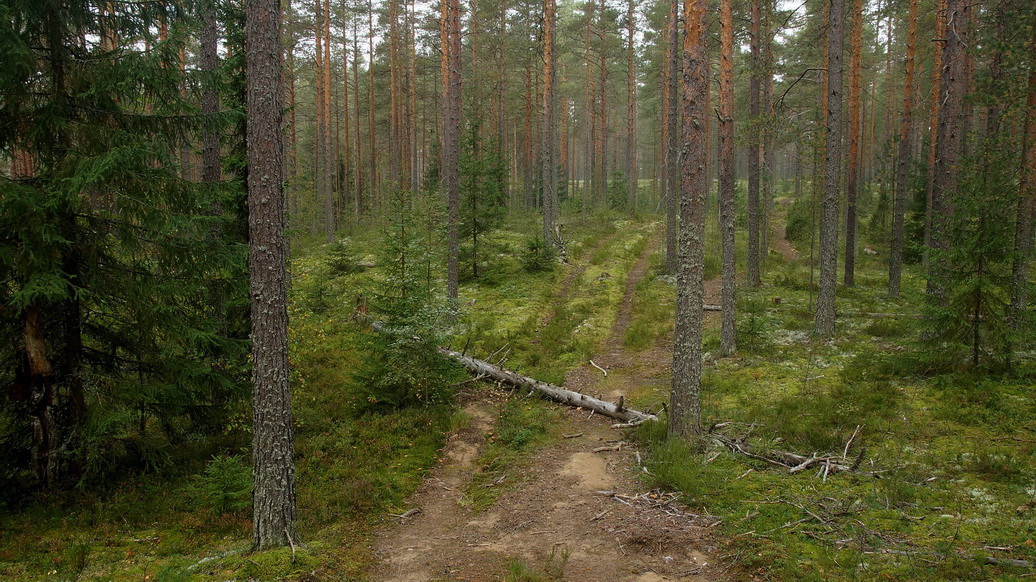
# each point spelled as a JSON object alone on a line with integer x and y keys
{"x": 557, "y": 515}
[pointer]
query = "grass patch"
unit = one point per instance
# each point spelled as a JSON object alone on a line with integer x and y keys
{"x": 553, "y": 568}
{"x": 523, "y": 424}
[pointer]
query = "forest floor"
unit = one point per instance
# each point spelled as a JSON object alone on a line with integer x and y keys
{"x": 508, "y": 485}
{"x": 578, "y": 511}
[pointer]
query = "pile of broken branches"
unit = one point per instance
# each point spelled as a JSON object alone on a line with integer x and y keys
{"x": 794, "y": 463}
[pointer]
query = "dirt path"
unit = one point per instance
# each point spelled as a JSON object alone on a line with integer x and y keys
{"x": 558, "y": 516}
{"x": 573, "y": 275}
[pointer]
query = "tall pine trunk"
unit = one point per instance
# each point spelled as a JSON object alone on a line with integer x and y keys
{"x": 728, "y": 335}
{"x": 273, "y": 494}
{"x": 754, "y": 89}
{"x": 903, "y": 158}
{"x": 451, "y": 86}
{"x": 824, "y": 323}
{"x": 548, "y": 148}
{"x": 685, "y": 399}
{"x": 852, "y": 173}
{"x": 952, "y": 127}
{"x": 1023, "y": 241}
{"x": 631, "y": 113}
{"x": 672, "y": 156}
{"x": 933, "y": 120}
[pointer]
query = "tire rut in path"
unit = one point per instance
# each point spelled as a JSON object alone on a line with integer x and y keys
{"x": 555, "y": 514}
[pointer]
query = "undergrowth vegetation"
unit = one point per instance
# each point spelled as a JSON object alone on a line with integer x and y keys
{"x": 370, "y": 419}
{"x": 946, "y": 479}
{"x": 946, "y": 484}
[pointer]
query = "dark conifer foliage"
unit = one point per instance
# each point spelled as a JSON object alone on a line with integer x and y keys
{"x": 109, "y": 257}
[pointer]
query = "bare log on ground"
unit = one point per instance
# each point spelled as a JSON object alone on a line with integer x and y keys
{"x": 572, "y": 398}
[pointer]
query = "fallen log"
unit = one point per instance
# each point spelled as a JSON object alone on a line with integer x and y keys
{"x": 557, "y": 393}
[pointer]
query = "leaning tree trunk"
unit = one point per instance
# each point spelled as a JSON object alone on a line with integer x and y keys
{"x": 273, "y": 495}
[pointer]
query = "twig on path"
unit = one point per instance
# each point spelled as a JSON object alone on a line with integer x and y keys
{"x": 603, "y": 371}
{"x": 406, "y": 513}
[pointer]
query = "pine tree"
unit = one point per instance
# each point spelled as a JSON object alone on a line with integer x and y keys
{"x": 824, "y": 324}
{"x": 685, "y": 400}
{"x": 273, "y": 452}
{"x": 728, "y": 334}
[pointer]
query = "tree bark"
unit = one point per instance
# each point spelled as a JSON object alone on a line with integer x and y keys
{"x": 631, "y": 113}
{"x": 451, "y": 86}
{"x": 952, "y": 126}
{"x": 824, "y": 323}
{"x": 727, "y": 162}
{"x": 327, "y": 161}
{"x": 933, "y": 120}
{"x": 548, "y": 131}
{"x": 273, "y": 496}
{"x": 346, "y": 129}
{"x": 903, "y": 158}
{"x": 754, "y": 89}
{"x": 853, "y": 161}
{"x": 672, "y": 157}
{"x": 373, "y": 199}
{"x": 357, "y": 175}
{"x": 685, "y": 399}
{"x": 210, "y": 158}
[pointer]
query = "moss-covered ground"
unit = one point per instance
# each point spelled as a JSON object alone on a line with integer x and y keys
{"x": 190, "y": 520}
{"x": 947, "y": 480}
{"x": 946, "y": 488}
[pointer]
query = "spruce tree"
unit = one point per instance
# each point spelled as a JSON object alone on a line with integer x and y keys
{"x": 107, "y": 252}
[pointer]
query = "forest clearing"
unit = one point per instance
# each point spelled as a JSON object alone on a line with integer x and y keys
{"x": 614, "y": 290}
